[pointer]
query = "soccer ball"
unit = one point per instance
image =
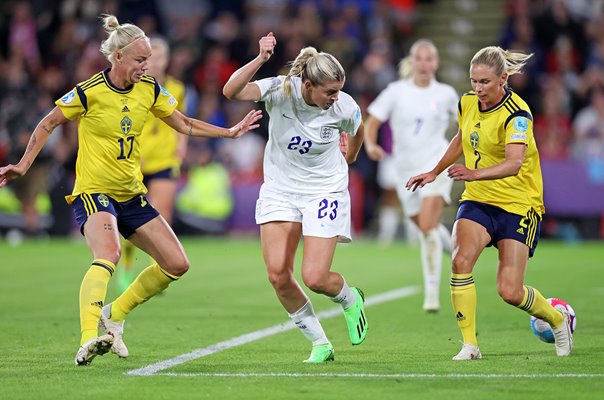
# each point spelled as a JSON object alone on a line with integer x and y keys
{"x": 543, "y": 331}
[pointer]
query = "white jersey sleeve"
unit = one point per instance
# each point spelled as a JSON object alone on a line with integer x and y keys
{"x": 302, "y": 153}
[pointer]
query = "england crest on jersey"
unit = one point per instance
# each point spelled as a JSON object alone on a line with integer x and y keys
{"x": 327, "y": 133}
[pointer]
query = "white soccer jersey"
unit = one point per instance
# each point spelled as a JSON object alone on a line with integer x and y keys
{"x": 419, "y": 118}
{"x": 302, "y": 153}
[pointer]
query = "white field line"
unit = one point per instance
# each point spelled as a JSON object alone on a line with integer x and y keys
{"x": 261, "y": 334}
{"x": 409, "y": 376}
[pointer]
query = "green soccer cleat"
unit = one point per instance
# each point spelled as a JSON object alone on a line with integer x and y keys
{"x": 320, "y": 354}
{"x": 355, "y": 318}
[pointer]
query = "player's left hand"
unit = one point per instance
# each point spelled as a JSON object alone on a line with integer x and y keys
{"x": 8, "y": 173}
{"x": 459, "y": 172}
{"x": 246, "y": 124}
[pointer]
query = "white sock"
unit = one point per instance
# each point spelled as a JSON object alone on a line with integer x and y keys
{"x": 308, "y": 323}
{"x": 389, "y": 221}
{"x": 445, "y": 238}
{"x": 431, "y": 256}
{"x": 346, "y": 297}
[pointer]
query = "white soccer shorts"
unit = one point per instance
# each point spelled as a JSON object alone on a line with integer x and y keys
{"x": 326, "y": 215}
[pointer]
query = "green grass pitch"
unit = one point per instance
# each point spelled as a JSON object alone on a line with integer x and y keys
{"x": 407, "y": 353}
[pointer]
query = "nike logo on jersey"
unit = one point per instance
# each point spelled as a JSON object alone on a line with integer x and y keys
{"x": 285, "y": 116}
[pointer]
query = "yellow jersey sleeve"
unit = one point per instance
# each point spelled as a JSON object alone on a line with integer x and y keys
{"x": 519, "y": 128}
{"x": 72, "y": 104}
{"x": 165, "y": 103}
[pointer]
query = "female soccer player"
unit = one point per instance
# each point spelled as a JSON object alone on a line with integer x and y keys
{"x": 503, "y": 200}
{"x": 305, "y": 190}
{"x": 162, "y": 151}
{"x": 108, "y": 197}
{"x": 420, "y": 110}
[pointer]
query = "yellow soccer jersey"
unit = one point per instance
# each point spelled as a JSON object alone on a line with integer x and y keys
{"x": 110, "y": 122}
{"x": 484, "y": 135}
{"x": 159, "y": 141}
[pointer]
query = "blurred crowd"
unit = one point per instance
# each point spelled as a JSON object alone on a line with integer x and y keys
{"x": 47, "y": 46}
{"x": 564, "y": 83}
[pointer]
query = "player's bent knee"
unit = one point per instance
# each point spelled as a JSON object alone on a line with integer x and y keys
{"x": 461, "y": 264}
{"x": 315, "y": 282}
{"x": 510, "y": 294}
{"x": 177, "y": 267}
{"x": 109, "y": 254}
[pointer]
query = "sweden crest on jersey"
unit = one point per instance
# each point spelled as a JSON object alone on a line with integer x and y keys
{"x": 474, "y": 139}
{"x": 126, "y": 125}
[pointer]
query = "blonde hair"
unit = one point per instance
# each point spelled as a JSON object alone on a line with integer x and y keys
{"x": 501, "y": 60}
{"x": 317, "y": 67}
{"x": 120, "y": 36}
{"x": 405, "y": 66}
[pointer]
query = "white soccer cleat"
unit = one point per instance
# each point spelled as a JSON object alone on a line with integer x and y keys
{"x": 94, "y": 347}
{"x": 116, "y": 330}
{"x": 563, "y": 336}
{"x": 468, "y": 352}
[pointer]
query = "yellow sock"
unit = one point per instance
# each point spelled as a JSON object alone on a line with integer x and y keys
{"x": 463, "y": 296}
{"x": 147, "y": 284}
{"x": 92, "y": 297}
{"x": 128, "y": 250}
{"x": 535, "y": 304}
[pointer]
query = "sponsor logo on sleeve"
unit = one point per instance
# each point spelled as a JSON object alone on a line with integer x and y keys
{"x": 68, "y": 98}
{"x": 357, "y": 115}
{"x": 520, "y": 124}
{"x": 518, "y": 136}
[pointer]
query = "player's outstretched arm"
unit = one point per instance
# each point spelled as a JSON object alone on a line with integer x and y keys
{"x": 37, "y": 140}
{"x": 454, "y": 151}
{"x": 514, "y": 158}
{"x": 194, "y": 127}
{"x": 238, "y": 86}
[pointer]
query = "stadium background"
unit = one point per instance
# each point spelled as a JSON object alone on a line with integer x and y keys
{"x": 47, "y": 46}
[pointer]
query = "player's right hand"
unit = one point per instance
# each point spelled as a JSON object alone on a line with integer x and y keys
{"x": 420, "y": 181}
{"x": 267, "y": 46}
